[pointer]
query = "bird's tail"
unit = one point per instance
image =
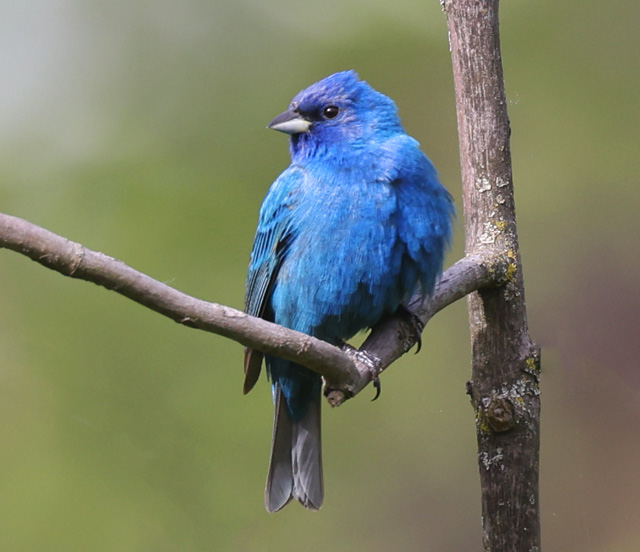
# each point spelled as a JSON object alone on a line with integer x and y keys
{"x": 295, "y": 470}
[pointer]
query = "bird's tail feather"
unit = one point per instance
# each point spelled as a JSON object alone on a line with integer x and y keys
{"x": 295, "y": 470}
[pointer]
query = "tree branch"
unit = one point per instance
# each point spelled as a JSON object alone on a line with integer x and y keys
{"x": 346, "y": 374}
{"x": 505, "y": 365}
{"x": 76, "y": 261}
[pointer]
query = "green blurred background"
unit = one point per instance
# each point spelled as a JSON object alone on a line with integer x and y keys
{"x": 138, "y": 129}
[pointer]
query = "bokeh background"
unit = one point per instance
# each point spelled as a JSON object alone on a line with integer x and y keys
{"x": 138, "y": 129}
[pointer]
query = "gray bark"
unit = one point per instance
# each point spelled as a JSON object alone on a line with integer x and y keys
{"x": 505, "y": 362}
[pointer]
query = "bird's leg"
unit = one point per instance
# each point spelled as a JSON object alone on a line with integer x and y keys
{"x": 415, "y": 323}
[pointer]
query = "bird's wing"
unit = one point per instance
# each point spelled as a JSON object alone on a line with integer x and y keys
{"x": 426, "y": 211}
{"x": 273, "y": 238}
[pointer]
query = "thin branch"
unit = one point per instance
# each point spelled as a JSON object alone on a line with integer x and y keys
{"x": 76, "y": 261}
{"x": 346, "y": 374}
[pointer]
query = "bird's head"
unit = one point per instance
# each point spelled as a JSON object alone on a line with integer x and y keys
{"x": 337, "y": 112}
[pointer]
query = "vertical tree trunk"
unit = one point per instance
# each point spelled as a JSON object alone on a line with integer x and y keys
{"x": 505, "y": 366}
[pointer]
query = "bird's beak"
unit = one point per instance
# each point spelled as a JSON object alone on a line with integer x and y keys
{"x": 290, "y": 122}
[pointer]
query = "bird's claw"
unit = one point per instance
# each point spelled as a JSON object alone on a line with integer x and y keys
{"x": 370, "y": 362}
{"x": 376, "y": 384}
{"x": 417, "y": 325}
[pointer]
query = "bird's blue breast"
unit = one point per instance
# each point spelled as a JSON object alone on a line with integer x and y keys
{"x": 340, "y": 273}
{"x": 367, "y": 235}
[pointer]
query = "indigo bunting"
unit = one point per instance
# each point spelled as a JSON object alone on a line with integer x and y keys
{"x": 352, "y": 228}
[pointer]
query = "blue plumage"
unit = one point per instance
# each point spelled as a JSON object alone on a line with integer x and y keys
{"x": 354, "y": 226}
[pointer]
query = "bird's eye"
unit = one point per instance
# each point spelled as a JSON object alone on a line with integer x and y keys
{"x": 331, "y": 111}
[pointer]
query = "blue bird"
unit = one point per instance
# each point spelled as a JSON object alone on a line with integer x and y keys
{"x": 352, "y": 228}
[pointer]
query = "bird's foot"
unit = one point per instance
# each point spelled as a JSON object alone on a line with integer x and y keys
{"x": 368, "y": 361}
{"x": 415, "y": 323}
